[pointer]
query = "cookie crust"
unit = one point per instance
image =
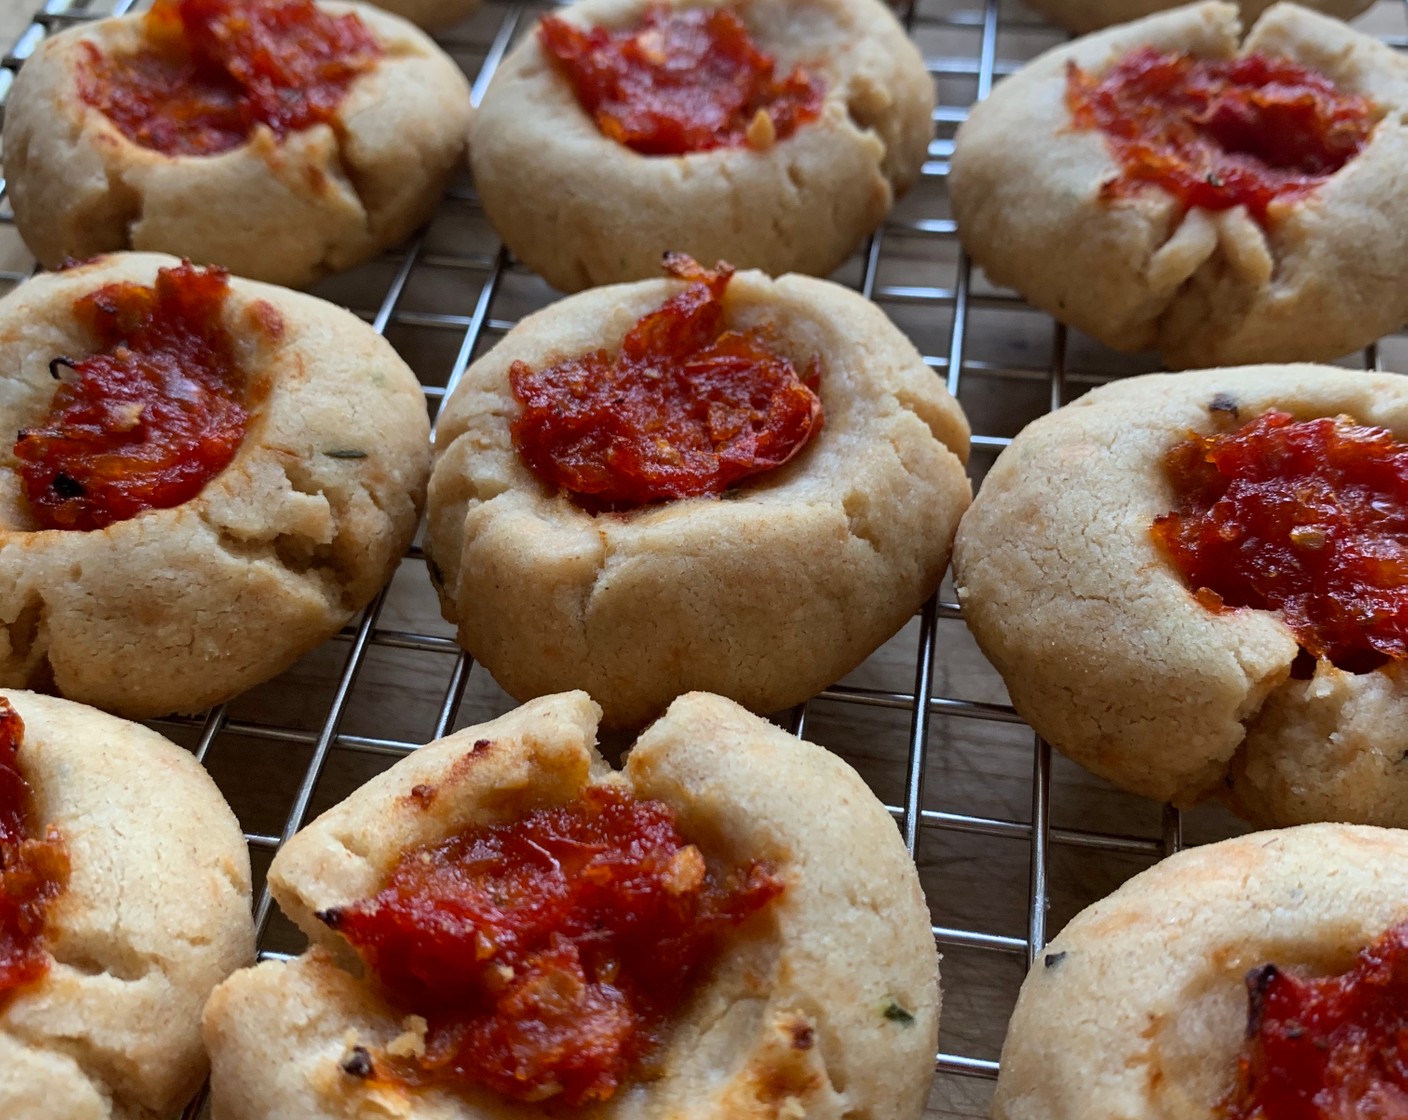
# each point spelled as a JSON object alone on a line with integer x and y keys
{"x": 322, "y": 200}
{"x": 792, "y": 1020}
{"x": 767, "y": 596}
{"x": 180, "y": 608}
{"x": 1203, "y": 288}
{"x": 583, "y": 210}
{"x": 1108, "y": 655}
{"x": 1138, "y": 1009}
{"x": 156, "y": 913}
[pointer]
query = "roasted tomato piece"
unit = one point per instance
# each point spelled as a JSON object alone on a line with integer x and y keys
{"x": 1305, "y": 518}
{"x": 548, "y": 955}
{"x": 33, "y": 868}
{"x": 211, "y": 70}
{"x": 1220, "y": 133}
{"x": 681, "y": 81}
{"x": 685, "y": 408}
{"x": 151, "y": 417}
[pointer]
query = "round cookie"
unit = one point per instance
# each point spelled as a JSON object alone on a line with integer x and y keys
{"x": 179, "y": 608}
{"x": 287, "y": 211}
{"x": 1082, "y": 16}
{"x": 1323, "y": 277}
{"x": 766, "y": 596}
{"x": 1139, "y": 1008}
{"x": 1106, "y": 651}
{"x": 791, "y": 1021}
{"x": 154, "y": 915}
{"x": 583, "y": 210}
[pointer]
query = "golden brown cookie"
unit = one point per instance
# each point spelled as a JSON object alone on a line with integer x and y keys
{"x": 583, "y": 209}
{"x": 767, "y": 594}
{"x": 1135, "y": 266}
{"x": 288, "y": 210}
{"x": 823, "y": 1004}
{"x": 155, "y": 913}
{"x": 178, "y": 608}
{"x": 1140, "y": 1007}
{"x": 1107, "y": 651}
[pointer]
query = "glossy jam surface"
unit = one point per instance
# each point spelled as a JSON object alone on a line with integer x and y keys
{"x": 33, "y": 868}
{"x": 1334, "y": 1048}
{"x": 1305, "y": 518}
{"x": 1217, "y": 134}
{"x": 682, "y": 81}
{"x": 211, "y": 70}
{"x": 150, "y": 417}
{"x": 685, "y": 408}
{"x": 548, "y": 955}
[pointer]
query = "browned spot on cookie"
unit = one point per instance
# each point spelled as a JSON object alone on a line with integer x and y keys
{"x": 265, "y": 319}
{"x": 466, "y": 761}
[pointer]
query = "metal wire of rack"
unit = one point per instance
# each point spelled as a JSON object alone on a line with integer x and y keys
{"x": 976, "y": 795}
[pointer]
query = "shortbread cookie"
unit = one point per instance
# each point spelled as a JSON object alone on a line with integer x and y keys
{"x": 1176, "y": 687}
{"x": 766, "y": 593}
{"x": 1081, "y": 16}
{"x": 148, "y": 910}
{"x": 822, "y": 1001}
{"x": 132, "y": 581}
{"x": 275, "y": 189}
{"x": 1148, "y": 1001}
{"x": 1254, "y": 238}
{"x": 585, "y": 209}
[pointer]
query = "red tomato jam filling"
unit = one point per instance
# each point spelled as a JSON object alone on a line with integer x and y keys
{"x": 1334, "y": 1048}
{"x": 683, "y": 81}
{"x": 1305, "y": 518}
{"x": 1218, "y": 134}
{"x": 33, "y": 868}
{"x": 686, "y": 408}
{"x": 548, "y": 955}
{"x": 211, "y": 70}
{"x": 147, "y": 421}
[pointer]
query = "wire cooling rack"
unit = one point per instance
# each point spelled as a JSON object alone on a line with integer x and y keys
{"x": 1010, "y": 844}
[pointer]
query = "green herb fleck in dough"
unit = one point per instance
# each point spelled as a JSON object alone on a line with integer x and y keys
{"x": 345, "y": 453}
{"x": 897, "y": 1014}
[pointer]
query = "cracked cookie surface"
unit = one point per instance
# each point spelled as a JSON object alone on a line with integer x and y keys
{"x": 766, "y": 595}
{"x": 1323, "y": 278}
{"x": 155, "y": 914}
{"x": 583, "y": 210}
{"x": 1107, "y": 653}
{"x": 324, "y": 199}
{"x": 795, "y": 1018}
{"x": 176, "y": 609}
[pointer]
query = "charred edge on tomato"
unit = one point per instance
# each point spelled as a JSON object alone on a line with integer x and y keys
{"x": 358, "y": 1064}
{"x": 66, "y": 486}
{"x": 1259, "y": 980}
